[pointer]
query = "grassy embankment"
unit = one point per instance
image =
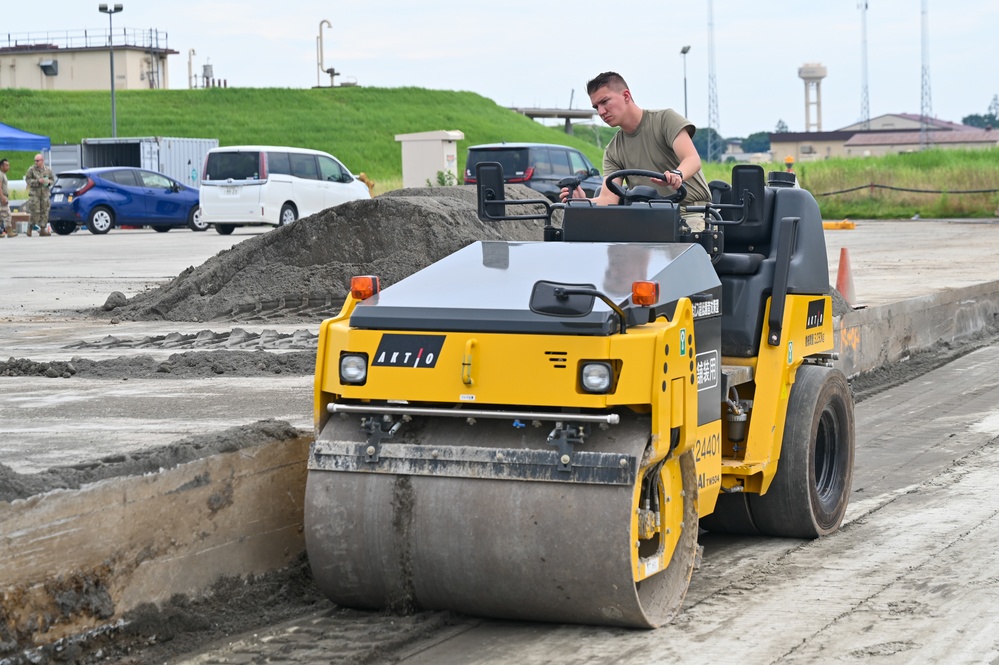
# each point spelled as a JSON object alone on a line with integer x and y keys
{"x": 359, "y": 126}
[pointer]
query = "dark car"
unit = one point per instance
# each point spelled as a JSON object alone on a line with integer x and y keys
{"x": 540, "y": 166}
{"x": 101, "y": 198}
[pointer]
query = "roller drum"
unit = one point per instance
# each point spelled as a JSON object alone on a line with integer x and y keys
{"x": 503, "y": 547}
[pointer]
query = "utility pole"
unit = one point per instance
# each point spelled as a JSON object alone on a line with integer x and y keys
{"x": 111, "y": 11}
{"x": 865, "y": 107}
{"x": 683, "y": 52}
{"x": 926, "y": 105}
{"x": 713, "y": 120}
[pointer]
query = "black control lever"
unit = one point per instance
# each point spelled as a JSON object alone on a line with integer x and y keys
{"x": 572, "y": 182}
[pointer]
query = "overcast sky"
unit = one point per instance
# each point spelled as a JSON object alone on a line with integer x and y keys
{"x": 531, "y": 53}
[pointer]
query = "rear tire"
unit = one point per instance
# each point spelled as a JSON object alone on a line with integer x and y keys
{"x": 288, "y": 214}
{"x": 100, "y": 220}
{"x": 225, "y": 229}
{"x": 194, "y": 220}
{"x": 810, "y": 492}
{"x": 63, "y": 228}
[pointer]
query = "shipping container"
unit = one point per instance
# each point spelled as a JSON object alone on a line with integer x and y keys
{"x": 179, "y": 158}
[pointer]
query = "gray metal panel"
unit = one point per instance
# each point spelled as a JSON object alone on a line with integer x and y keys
{"x": 183, "y": 159}
{"x": 487, "y": 286}
{"x": 178, "y": 158}
{"x": 68, "y": 157}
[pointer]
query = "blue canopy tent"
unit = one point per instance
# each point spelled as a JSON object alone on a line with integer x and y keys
{"x": 14, "y": 139}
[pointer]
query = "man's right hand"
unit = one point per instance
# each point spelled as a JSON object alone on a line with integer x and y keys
{"x": 577, "y": 193}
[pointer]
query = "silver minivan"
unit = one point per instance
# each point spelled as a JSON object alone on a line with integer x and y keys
{"x": 270, "y": 185}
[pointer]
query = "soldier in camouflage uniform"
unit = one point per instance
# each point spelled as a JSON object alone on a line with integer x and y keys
{"x": 39, "y": 180}
{"x": 5, "y": 224}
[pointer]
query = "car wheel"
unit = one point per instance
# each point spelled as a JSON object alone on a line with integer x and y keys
{"x": 100, "y": 220}
{"x": 288, "y": 214}
{"x": 159, "y": 228}
{"x": 194, "y": 220}
{"x": 63, "y": 228}
{"x": 225, "y": 229}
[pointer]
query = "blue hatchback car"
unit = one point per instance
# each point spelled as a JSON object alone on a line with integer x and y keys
{"x": 102, "y": 198}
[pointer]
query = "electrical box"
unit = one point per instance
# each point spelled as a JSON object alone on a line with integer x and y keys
{"x": 427, "y": 154}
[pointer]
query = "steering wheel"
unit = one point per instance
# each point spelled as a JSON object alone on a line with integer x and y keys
{"x": 641, "y": 192}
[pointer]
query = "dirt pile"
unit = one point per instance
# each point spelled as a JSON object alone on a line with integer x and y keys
{"x": 304, "y": 269}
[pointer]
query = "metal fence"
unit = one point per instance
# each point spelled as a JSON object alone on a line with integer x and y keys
{"x": 74, "y": 39}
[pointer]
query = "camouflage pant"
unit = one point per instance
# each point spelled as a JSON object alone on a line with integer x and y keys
{"x": 38, "y": 207}
{"x": 5, "y": 223}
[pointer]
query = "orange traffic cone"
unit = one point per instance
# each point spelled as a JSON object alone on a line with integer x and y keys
{"x": 844, "y": 278}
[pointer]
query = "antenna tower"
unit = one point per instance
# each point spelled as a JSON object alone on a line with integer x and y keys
{"x": 926, "y": 106}
{"x": 865, "y": 105}
{"x": 713, "y": 121}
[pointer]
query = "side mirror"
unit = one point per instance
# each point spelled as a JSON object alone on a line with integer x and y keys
{"x": 595, "y": 171}
{"x": 489, "y": 189}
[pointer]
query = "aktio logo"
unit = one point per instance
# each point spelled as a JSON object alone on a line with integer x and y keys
{"x": 816, "y": 314}
{"x": 419, "y": 351}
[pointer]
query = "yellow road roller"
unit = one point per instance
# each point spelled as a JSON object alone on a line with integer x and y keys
{"x": 539, "y": 430}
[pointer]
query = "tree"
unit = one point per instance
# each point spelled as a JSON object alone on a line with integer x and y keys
{"x": 756, "y": 142}
{"x": 701, "y": 143}
{"x": 781, "y": 127}
{"x": 990, "y": 119}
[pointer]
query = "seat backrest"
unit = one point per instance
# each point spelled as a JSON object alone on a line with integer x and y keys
{"x": 754, "y": 234}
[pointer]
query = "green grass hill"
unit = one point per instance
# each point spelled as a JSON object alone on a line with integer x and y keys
{"x": 359, "y": 125}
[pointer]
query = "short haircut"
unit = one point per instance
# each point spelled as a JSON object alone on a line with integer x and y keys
{"x": 612, "y": 80}
{"x": 3, "y": 161}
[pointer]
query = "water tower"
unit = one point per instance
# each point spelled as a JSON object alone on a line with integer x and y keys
{"x": 812, "y": 74}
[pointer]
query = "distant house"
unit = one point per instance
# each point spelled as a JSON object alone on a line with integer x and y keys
{"x": 735, "y": 153}
{"x": 891, "y": 133}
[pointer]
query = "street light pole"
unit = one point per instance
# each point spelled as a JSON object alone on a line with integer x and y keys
{"x": 683, "y": 52}
{"x": 111, "y": 11}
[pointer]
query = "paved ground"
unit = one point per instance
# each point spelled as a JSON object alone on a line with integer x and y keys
{"x": 910, "y": 578}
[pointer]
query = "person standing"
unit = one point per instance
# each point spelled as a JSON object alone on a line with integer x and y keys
{"x": 6, "y": 226}
{"x": 650, "y": 140}
{"x": 39, "y": 179}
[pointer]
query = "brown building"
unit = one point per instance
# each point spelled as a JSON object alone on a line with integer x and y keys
{"x": 886, "y": 134}
{"x": 80, "y": 60}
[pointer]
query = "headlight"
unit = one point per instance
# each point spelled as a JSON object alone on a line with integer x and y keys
{"x": 596, "y": 377}
{"x": 353, "y": 368}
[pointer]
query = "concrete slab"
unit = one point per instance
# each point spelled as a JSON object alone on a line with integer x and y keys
{"x": 896, "y": 260}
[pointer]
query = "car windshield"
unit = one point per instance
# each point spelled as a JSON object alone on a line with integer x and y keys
{"x": 235, "y": 165}
{"x": 513, "y": 160}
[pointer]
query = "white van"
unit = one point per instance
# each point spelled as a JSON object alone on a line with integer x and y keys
{"x": 252, "y": 185}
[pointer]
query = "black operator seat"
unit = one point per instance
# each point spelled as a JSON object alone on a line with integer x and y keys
{"x": 748, "y": 266}
{"x": 749, "y": 243}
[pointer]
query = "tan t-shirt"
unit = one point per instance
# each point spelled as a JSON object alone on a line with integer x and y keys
{"x": 650, "y": 147}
